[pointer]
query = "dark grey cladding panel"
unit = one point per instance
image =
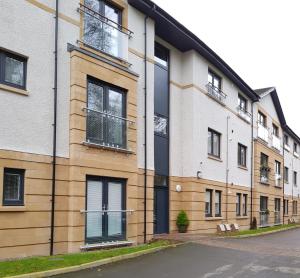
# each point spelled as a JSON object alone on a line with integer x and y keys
{"x": 161, "y": 155}
{"x": 161, "y": 91}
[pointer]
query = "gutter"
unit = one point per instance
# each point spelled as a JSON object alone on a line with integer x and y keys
{"x": 145, "y": 131}
{"x": 54, "y": 132}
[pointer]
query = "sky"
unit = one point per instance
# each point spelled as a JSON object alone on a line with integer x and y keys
{"x": 258, "y": 39}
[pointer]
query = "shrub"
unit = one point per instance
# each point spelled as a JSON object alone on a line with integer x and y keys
{"x": 253, "y": 224}
{"x": 182, "y": 221}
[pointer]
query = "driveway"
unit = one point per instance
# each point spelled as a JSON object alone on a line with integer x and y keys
{"x": 264, "y": 256}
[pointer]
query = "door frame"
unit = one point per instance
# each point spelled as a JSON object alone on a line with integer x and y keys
{"x": 105, "y": 181}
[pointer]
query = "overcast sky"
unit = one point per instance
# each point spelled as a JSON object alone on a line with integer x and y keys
{"x": 259, "y": 39}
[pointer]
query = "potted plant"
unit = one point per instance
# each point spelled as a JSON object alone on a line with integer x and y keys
{"x": 253, "y": 224}
{"x": 182, "y": 222}
{"x": 267, "y": 212}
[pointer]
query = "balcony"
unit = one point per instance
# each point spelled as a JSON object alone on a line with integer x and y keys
{"x": 264, "y": 218}
{"x": 104, "y": 35}
{"x": 107, "y": 130}
{"x": 276, "y": 142}
{"x": 216, "y": 93}
{"x": 278, "y": 180}
{"x": 296, "y": 154}
{"x": 263, "y": 132}
{"x": 244, "y": 114}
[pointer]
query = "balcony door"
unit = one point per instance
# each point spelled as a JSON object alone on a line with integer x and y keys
{"x": 105, "y": 200}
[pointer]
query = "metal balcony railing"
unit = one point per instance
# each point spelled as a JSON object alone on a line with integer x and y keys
{"x": 287, "y": 147}
{"x": 277, "y": 218}
{"x": 264, "y": 219}
{"x": 276, "y": 142}
{"x": 103, "y": 34}
{"x": 264, "y": 176}
{"x": 106, "y": 129}
{"x": 244, "y": 114}
{"x": 216, "y": 93}
{"x": 263, "y": 132}
{"x": 296, "y": 154}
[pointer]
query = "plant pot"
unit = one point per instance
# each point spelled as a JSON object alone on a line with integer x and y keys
{"x": 182, "y": 229}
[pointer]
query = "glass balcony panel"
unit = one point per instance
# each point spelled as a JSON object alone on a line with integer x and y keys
{"x": 276, "y": 143}
{"x": 263, "y": 132}
{"x": 216, "y": 93}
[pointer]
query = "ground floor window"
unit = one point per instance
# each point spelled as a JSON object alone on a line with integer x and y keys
{"x": 208, "y": 203}
{"x": 238, "y": 204}
{"x": 218, "y": 198}
{"x": 105, "y": 209}
{"x": 286, "y": 207}
{"x": 245, "y": 204}
{"x": 295, "y": 207}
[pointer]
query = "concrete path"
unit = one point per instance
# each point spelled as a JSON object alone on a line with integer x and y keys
{"x": 264, "y": 256}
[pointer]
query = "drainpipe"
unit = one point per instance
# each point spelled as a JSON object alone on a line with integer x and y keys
{"x": 251, "y": 180}
{"x": 145, "y": 131}
{"x": 227, "y": 165}
{"x": 54, "y": 132}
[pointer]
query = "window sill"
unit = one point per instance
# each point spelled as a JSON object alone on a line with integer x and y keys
{"x": 242, "y": 217}
{"x": 14, "y": 90}
{"x": 264, "y": 183}
{"x": 242, "y": 167}
{"x": 278, "y": 186}
{"x": 97, "y": 146}
{"x": 212, "y": 218}
{"x": 214, "y": 158}
{"x": 242, "y": 118}
{"x": 12, "y": 208}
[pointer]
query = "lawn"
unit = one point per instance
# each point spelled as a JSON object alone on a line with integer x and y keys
{"x": 37, "y": 264}
{"x": 262, "y": 230}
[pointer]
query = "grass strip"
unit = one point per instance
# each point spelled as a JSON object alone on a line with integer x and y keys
{"x": 37, "y": 264}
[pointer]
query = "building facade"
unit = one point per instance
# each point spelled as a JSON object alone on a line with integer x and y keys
{"x": 114, "y": 117}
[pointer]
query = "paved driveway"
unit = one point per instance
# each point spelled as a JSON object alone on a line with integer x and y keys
{"x": 264, "y": 256}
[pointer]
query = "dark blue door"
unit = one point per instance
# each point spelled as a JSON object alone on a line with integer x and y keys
{"x": 161, "y": 210}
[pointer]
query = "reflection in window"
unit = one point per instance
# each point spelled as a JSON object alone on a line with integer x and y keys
{"x": 160, "y": 125}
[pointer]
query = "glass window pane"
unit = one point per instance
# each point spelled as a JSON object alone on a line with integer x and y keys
{"x": 210, "y": 78}
{"x": 216, "y": 147}
{"x": 209, "y": 142}
{"x": 160, "y": 125}
{"x": 14, "y": 71}
{"x": 114, "y": 204}
{"x": 12, "y": 187}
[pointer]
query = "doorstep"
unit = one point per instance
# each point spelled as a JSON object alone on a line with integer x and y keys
{"x": 106, "y": 244}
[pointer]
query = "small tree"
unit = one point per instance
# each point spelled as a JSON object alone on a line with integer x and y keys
{"x": 182, "y": 221}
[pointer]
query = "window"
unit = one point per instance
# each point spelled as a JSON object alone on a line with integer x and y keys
{"x": 214, "y": 80}
{"x": 160, "y": 125}
{"x": 286, "y": 140}
{"x": 106, "y": 123}
{"x": 13, "y": 70}
{"x": 275, "y": 130}
{"x": 264, "y": 168}
{"x": 208, "y": 203}
{"x": 262, "y": 119}
{"x": 277, "y": 168}
{"x": 245, "y": 203}
{"x": 213, "y": 143}
{"x": 286, "y": 174}
{"x": 263, "y": 203}
{"x": 160, "y": 181}
{"x": 218, "y": 201}
{"x": 242, "y": 103}
{"x": 295, "y": 178}
{"x": 102, "y": 27}
{"x": 161, "y": 55}
{"x": 295, "y": 207}
{"x": 238, "y": 204}
{"x": 13, "y": 187}
{"x": 295, "y": 147}
{"x": 242, "y": 155}
{"x": 277, "y": 204}
{"x": 286, "y": 207}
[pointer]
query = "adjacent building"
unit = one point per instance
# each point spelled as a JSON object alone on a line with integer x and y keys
{"x": 114, "y": 117}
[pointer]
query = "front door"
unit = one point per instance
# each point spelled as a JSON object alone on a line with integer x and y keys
{"x": 105, "y": 205}
{"x": 161, "y": 205}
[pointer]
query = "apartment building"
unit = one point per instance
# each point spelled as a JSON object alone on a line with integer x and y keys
{"x": 114, "y": 117}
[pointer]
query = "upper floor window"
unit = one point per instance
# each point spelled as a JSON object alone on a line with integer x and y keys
{"x": 13, "y": 70}
{"x": 103, "y": 28}
{"x": 13, "y": 187}
{"x": 286, "y": 174}
{"x": 214, "y": 80}
{"x": 161, "y": 55}
{"x": 262, "y": 119}
{"x": 286, "y": 140}
{"x": 106, "y": 122}
{"x": 242, "y": 155}
{"x": 242, "y": 102}
{"x": 264, "y": 168}
{"x": 295, "y": 147}
{"x": 295, "y": 178}
{"x": 275, "y": 130}
{"x": 214, "y": 140}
